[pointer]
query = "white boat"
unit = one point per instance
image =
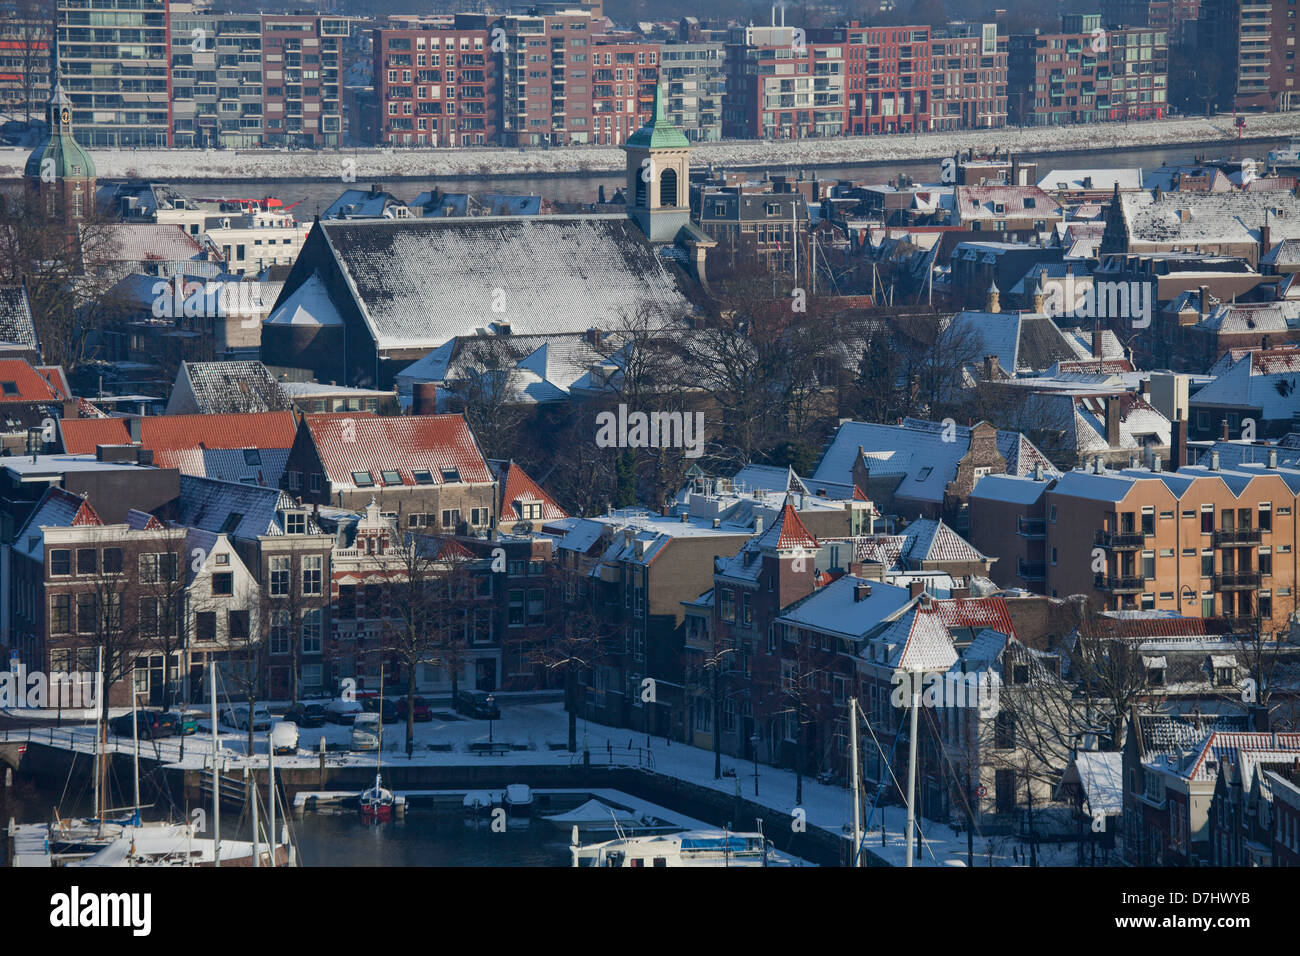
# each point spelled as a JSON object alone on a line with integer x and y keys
{"x": 595, "y": 817}
{"x": 689, "y": 848}
{"x": 377, "y": 803}
{"x": 519, "y": 799}
{"x": 1288, "y": 158}
{"x": 478, "y": 802}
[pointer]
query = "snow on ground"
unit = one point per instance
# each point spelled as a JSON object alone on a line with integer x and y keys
{"x": 542, "y": 726}
{"x": 368, "y": 165}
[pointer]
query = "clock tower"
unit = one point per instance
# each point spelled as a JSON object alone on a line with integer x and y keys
{"x": 658, "y": 176}
{"x": 59, "y": 171}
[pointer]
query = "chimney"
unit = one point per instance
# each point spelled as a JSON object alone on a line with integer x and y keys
{"x": 685, "y": 517}
{"x": 991, "y": 302}
{"x": 1038, "y": 471}
{"x": 758, "y": 524}
{"x": 1155, "y": 464}
{"x": 915, "y": 588}
{"x": 1272, "y": 459}
{"x": 1178, "y": 453}
{"x": 1097, "y": 339}
{"x": 991, "y": 368}
{"x": 1265, "y": 237}
{"x": 1204, "y": 292}
{"x": 133, "y": 429}
{"x": 1224, "y": 435}
{"x": 1214, "y": 461}
{"x": 1112, "y": 420}
{"x": 717, "y": 522}
{"x": 424, "y": 398}
{"x": 861, "y": 591}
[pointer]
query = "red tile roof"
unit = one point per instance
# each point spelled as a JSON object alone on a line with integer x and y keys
{"x": 168, "y": 435}
{"x": 788, "y": 533}
{"x": 977, "y": 613}
{"x": 519, "y": 485}
{"x": 85, "y": 516}
{"x": 30, "y": 385}
{"x": 374, "y": 444}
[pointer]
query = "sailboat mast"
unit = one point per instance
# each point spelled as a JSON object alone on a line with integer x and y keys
{"x": 270, "y": 786}
{"x": 99, "y": 737}
{"x": 911, "y": 764}
{"x": 216, "y": 780}
{"x": 853, "y": 769}
{"x": 135, "y": 742}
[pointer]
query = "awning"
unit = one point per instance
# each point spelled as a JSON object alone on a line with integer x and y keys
{"x": 1157, "y": 663}
{"x": 1223, "y": 660}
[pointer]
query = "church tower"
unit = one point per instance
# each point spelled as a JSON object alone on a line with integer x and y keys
{"x": 658, "y": 176}
{"x": 59, "y": 171}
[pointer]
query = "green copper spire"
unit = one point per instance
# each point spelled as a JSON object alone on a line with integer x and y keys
{"x": 659, "y": 133}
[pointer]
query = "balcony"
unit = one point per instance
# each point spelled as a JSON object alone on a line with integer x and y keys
{"x": 1247, "y": 624}
{"x": 1240, "y": 581}
{"x": 1031, "y": 571}
{"x": 1236, "y": 537}
{"x": 1119, "y": 584}
{"x": 1031, "y": 527}
{"x": 1119, "y": 540}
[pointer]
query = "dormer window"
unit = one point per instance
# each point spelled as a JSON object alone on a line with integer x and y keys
{"x": 1030, "y": 202}
{"x": 295, "y": 522}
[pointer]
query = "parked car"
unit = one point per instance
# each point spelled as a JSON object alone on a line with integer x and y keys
{"x": 474, "y": 703}
{"x": 187, "y": 722}
{"x": 423, "y": 710}
{"x": 365, "y": 732}
{"x": 371, "y": 705}
{"x": 307, "y": 715}
{"x": 284, "y": 737}
{"x": 261, "y": 717}
{"x": 151, "y": 724}
{"x": 342, "y": 711}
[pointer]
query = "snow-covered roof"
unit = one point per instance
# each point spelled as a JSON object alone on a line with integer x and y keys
{"x": 1189, "y": 218}
{"x": 836, "y": 608}
{"x": 1013, "y": 489}
{"x": 309, "y": 304}
{"x": 1265, "y": 381}
{"x": 1074, "y": 180}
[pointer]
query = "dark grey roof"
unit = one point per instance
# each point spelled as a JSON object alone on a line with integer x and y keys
{"x": 232, "y": 387}
{"x": 16, "y": 324}
{"x": 421, "y": 282}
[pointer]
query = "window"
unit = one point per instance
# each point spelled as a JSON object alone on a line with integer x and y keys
{"x": 87, "y": 561}
{"x": 1004, "y": 730}
{"x": 237, "y": 622}
{"x": 311, "y": 631}
{"x": 60, "y": 613}
{"x": 451, "y": 475}
{"x": 391, "y": 477}
{"x": 60, "y": 562}
{"x": 252, "y": 456}
{"x": 1148, "y": 564}
{"x": 295, "y": 522}
{"x": 86, "y": 613}
{"x": 924, "y": 473}
{"x": 316, "y": 482}
{"x": 362, "y": 479}
{"x": 479, "y": 516}
{"x": 515, "y": 611}
{"x": 279, "y": 576}
{"x": 1207, "y": 564}
{"x": 1266, "y": 516}
{"x": 450, "y": 518}
{"x": 422, "y": 476}
{"x": 279, "y": 636}
{"x": 223, "y": 584}
{"x": 205, "y": 626}
{"x": 112, "y": 560}
{"x": 311, "y": 570}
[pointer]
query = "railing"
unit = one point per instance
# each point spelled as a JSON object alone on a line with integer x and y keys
{"x": 1119, "y": 540}
{"x": 641, "y": 757}
{"x": 1119, "y": 584}
{"x": 1242, "y": 580}
{"x": 1031, "y": 527}
{"x": 1036, "y": 571}
{"x": 1234, "y": 536}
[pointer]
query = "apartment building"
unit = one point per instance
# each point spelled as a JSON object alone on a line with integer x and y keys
{"x": 216, "y": 76}
{"x": 886, "y": 76}
{"x": 24, "y": 63}
{"x": 780, "y": 86}
{"x": 113, "y": 61}
{"x": 623, "y": 74}
{"x": 435, "y": 84}
{"x": 540, "y": 54}
{"x": 1087, "y": 73}
{"x": 301, "y": 73}
{"x": 1253, "y": 44}
{"x": 1205, "y": 541}
{"x": 968, "y": 77}
{"x": 695, "y": 80}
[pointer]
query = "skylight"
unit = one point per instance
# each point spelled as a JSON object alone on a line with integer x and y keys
{"x": 10, "y": 388}
{"x": 232, "y": 522}
{"x": 252, "y": 456}
{"x": 362, "y": 479}
{"x": 451, "y": 474}
{"x": 391, "y": 477}
{"x": 422, "y": 476}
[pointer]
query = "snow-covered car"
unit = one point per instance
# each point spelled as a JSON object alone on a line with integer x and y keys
{"x": 342, "y": 711}
{"x": 284, "y": 737}
{"x": 261, "y": 717}
{"x": 365, "y": 732}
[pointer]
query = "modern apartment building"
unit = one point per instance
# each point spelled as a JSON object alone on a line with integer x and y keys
{"x": 695, "y": 81}
{"x": 886, "y": 76}
{"x": 301, "y": 73}
{"x": 1087, "y": 73}
{"x": 216, "y": 77}
{"x": 781, "y": 85}
{"x": 1252, "y": 42}
{"x": 538, "y": 56}
{"x": 1204, "y": 541}
{"x": 435, "y": 84}
{"x": 113, "y": 60}
{"x": 24, "y": 64}
{"x": 968, "y": 77}
{"x": 622, "y": 80}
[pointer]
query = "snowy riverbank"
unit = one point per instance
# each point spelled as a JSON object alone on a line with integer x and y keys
{"x": 366, "y": 165}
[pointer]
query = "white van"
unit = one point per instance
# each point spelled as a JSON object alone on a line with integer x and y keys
{"x": 365, "y": 732}
{"x": 284, "y": 737}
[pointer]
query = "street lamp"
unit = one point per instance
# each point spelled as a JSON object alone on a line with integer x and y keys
{"x": 491, "y": 702}
{"x": 753, "y": 742}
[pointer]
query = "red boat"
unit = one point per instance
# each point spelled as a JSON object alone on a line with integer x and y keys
{"x": 377, "y": 803}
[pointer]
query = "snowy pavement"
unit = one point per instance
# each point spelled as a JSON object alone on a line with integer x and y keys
{"x": 540, "y": 731}
{"x": 367, "y": 165}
